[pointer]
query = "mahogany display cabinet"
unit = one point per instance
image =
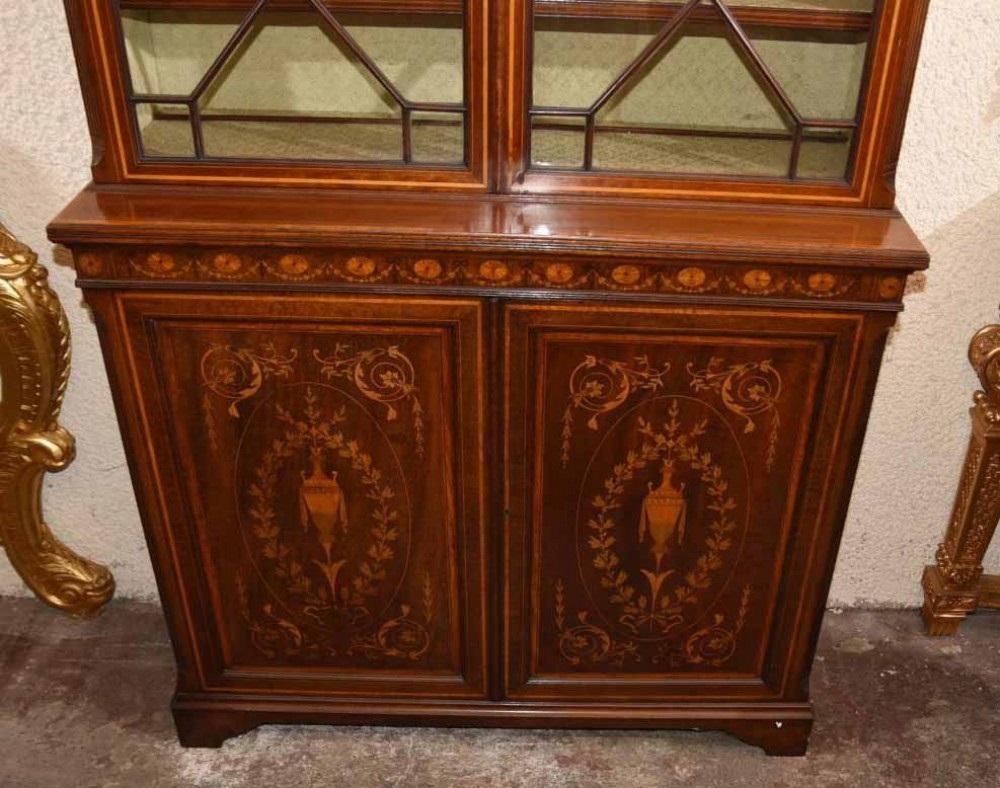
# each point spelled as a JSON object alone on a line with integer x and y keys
{"x": 497, "y": 363}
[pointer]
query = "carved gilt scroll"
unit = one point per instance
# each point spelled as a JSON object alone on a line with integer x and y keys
{"x": 34, "y": 369}
{"x": 956, "y": 586}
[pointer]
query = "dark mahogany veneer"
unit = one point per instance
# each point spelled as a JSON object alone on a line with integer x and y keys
{"x": 491, "y": 449}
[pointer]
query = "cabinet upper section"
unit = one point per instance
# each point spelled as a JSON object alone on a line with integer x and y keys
{"x": 765, "y": 100}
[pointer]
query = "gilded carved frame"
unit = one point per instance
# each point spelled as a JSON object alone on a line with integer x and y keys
{"x": 955, "y": 585}
{"x": 34, "y": 370}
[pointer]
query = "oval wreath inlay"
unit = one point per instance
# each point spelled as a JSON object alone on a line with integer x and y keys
{"x": 662, "y": 514}
{"x": 323, "y": 508}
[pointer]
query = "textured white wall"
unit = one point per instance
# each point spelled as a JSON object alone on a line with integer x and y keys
{"x": 949, "y": 187}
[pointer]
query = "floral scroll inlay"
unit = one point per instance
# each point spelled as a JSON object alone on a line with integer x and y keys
{"x": 383, "y": 375}
{"x": 748, "y": 390}
{"x": 599, "y": 386}
{"x": 714, "y": 644}
{"x": 237, "y": 374}
{"x": 404, "y": 636}
{"x": 585, "y": 642}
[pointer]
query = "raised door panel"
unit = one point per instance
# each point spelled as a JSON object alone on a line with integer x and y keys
{"x": 664, "y": 496}
{"x": 317, "y": 471}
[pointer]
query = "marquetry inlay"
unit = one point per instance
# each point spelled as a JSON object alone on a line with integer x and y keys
{"x": 259, "y": 266}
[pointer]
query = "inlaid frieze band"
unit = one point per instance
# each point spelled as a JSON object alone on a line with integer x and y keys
{"x": 231, "y": 265}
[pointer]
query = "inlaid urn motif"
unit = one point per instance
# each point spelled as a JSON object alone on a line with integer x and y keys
{"x": 661, "y": 522}
{"x": 324, "y": 509}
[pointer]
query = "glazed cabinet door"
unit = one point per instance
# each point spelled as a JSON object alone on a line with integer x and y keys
{"x": 671, "y": 497}
{"x": 310, "y": 473}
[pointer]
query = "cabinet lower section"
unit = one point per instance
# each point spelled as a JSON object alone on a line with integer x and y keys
{"x": 437, "y": 510}
{"x": 777, "y": 728}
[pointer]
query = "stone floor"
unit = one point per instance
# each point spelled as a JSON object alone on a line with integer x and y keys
{"x": 85, "y": 704}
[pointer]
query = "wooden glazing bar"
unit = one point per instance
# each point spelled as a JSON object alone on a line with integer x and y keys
{"x": 793, "y": 159}
{"x": 264, "y": 117}
{"x": 757, "y": 65}
{"x": 588, "y": 142}
{"x": 761, "y": 17}
{"x": 335, "y": 27}
{"x": 340, "y": 6}
{"x": 764, "y": 74}
{"x": 568, "y": 112}
{"x": 234, "y": 41}
{"x": 197, "y": 132}
{"x": 660, "y": 42}
{"x": 153, "y": 98}
{"x": 680, "y": 131}
{"x": 635, "y": 10}
{"x": 407, "y": 135}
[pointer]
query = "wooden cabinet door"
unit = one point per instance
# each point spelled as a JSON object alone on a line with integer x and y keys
{"x": 677, "y": 481}
{"x": 310, "y": 471}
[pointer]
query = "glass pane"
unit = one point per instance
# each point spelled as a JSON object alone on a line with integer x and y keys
{"x": 712, "y": 98}
{"x": 294, "y": 88}
{"x": 557, "y": 142}
{"x": 165, "y": 130}
{"x": 169, "y": 51}
{"x": 438, "y": 138}
{"x": 694, "y": 154}
{"x": 700, "y": 82}
{"x": 576, "y": 59}
{"x": 821, "y": 71}
{"x": 356, "y": 139}
{"x": 825, "y": 153}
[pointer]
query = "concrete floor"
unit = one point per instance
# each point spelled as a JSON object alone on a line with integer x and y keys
{"x": 86, "y": 704}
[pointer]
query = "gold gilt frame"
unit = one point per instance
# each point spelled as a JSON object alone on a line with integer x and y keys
{"x": 955, "y": 585}
{"x": 34, "y": 370}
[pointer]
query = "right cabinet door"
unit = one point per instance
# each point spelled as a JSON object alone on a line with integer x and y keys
{"x": 676, "y": 483}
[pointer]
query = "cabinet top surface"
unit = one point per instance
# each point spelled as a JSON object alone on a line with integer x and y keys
{"x": 488, "y": 223}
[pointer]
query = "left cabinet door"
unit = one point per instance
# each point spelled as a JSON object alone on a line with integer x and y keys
{"x": 309, "y": 470}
